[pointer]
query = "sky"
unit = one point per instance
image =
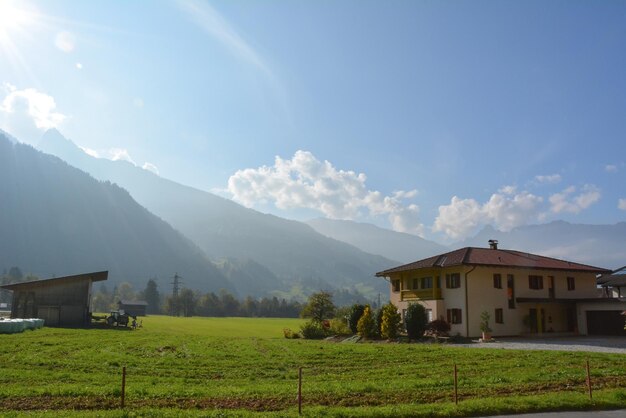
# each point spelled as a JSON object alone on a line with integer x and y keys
{"x": 434, "y": 118}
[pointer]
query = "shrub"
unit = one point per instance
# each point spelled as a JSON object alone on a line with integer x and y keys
{"x": 484, "y": 322}
{"x": 356, "y": 312}
{"x": 379, "y": 323}
{"x": 415, "y": 320}
{"x": 438, "y": 328}
{"x": 339, "y": 327}
{"x": 313, "y": 330}
{"x": 366, "y": 326}
{"x": 390, "y": 325}
{"x": 289, "y": 334}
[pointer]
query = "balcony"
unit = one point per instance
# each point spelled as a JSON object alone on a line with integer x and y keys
{"x": 425, "y": 294}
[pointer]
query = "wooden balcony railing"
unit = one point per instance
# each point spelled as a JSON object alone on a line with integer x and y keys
{"x": 425, "y": 294}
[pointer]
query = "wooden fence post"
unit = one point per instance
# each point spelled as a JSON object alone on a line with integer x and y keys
{"x": 123, "y": 385}
{"x": 300, "y": 391}
{"x": 456, "y": 383}
{"x": 589, "y": 381}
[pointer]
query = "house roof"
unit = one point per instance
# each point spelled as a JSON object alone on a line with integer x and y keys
{"x": 94, "y": 277}
{"x": 472, "y": 256}
{"x": 614, "y": 278}
{"x": 133, "y": 302}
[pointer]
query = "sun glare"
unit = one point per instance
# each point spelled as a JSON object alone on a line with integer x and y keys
{"x": 12, "y": 18}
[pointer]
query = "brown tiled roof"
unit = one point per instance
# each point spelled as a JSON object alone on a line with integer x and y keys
{"x": 471, "y": 256}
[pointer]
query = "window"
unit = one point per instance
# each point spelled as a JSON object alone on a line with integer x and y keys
{"x": 414, "y": 284}
{"x": 453, "y": 281}
{"x": 571, "y": 283}
{"x": 396, "y": 285}
{"x": 510, "y": 290}
{"x": 427, "y": 282}
{"x": 499, "y": 316}
{"x": 429, "y": 314}
{"x": 497, "y": 281}
{"x": 454, "y": 316}
{"x": 535, "y": 282}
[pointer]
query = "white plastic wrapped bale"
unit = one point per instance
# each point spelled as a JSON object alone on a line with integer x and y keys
{"x": 17, "y": 325}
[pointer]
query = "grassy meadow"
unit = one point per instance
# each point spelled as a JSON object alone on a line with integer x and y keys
{"x": 244, "y": 366}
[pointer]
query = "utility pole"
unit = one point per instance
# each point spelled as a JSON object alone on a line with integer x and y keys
{"x": 175, "y": 302}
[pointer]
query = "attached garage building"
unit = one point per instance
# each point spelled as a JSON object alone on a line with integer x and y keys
{"x": 60, "y": 302}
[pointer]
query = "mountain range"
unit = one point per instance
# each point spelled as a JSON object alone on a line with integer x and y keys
{"x": 56, "y": 220}
{"x": 373, "y": 239}
{"x": 292, "y": 251}
{"x": 80, "y": 213}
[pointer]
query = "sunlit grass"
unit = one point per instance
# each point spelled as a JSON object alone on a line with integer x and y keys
{"x": 245, "y": 364}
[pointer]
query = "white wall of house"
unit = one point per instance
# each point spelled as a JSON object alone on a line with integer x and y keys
{"x": 483, "y": 296}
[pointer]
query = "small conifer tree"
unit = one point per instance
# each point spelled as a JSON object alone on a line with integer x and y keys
{"x": 366, "y": 326}
{"x": 390, "y": 325}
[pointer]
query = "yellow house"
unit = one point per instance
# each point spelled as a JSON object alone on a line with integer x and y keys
{"x": 523, "y": 293}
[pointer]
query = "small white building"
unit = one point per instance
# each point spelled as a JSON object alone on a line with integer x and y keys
{"x": 523, "y": 293}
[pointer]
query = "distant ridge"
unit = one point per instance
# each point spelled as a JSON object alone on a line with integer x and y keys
{"x": 57, "y": 220}
{"x": 373, "y": 239}
{"x": 597, "y": 245}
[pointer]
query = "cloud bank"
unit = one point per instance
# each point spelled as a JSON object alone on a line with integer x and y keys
{"x": 505, "y": 209}
{"x": 27, "y": 113}
{"x": 306, "y": 182}
{"x": 569, "y": 202}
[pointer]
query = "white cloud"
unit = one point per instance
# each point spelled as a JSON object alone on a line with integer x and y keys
{"x": 138, "y": 102}
{"x": 566, "y": 201}
{"x": 113, "y": 154}
{"x": 306, "y": 182}
{"x": 79, "y": 66}
{"x": 621, "y": 204}
{"x": 614, "y": 168}
{"x": 26, "y": 113}
{"x": 65, "y": 41}
{"x": 549, "y": 179}
{"x": 150, "y": 167}
{"x": 505, "y": 209}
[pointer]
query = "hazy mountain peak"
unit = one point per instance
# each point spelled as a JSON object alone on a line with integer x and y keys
{"x": 376, "y": 240}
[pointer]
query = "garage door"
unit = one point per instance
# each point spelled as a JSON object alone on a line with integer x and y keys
{"x": 605, "y": 323}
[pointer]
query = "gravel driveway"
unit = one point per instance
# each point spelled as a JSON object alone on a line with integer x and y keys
{"x": 582, "y": 343}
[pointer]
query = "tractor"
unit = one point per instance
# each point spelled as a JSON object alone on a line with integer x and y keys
{"x": 118, "y": 318}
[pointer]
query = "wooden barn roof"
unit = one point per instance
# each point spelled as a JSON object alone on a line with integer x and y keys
{"x": 94, "y": 277}
{"x": 472, "y": 256}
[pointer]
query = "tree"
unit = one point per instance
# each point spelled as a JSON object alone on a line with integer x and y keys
{"x": 356, "y": 312}
{"x": 366, "y": 326}
{"x": 187, "y": 300}
{"x": 415, "y": 320}
{"x": 390, "y": 325}
{"x": 152, "y": 297}
{"x": 320, "y": 306}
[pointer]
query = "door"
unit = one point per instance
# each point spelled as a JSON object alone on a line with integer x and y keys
{"x": 532, "y": 319}
{"x": 605, "y": 323}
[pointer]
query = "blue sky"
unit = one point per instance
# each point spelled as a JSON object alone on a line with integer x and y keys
{"x": 428, "y": 117}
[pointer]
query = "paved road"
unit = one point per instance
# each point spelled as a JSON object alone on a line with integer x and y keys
{"x": 582, "y": 414}
{"x": 581, "y": 343}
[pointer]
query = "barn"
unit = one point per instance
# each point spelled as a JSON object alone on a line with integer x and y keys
{"x": 133, "y": 307}
{"x": 60, "y": 301}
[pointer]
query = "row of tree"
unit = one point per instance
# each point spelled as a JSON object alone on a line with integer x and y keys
{"x": 194, "y": 303}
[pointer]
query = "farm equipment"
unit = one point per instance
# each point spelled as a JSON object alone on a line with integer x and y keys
{"x": 118, "y": 318}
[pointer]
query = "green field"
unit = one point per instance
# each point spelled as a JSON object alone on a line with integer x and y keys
{"x": 243, "y": 366}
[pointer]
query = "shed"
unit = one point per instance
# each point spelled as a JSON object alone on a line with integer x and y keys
{"x": 133, "y": 307}
{"x": 60, "y": 301}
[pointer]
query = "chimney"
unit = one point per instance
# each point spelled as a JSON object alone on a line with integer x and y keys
{"x": 493, "y": 244}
